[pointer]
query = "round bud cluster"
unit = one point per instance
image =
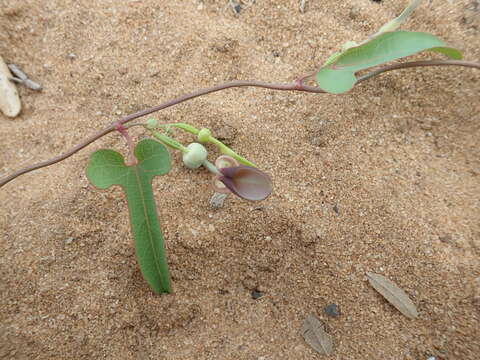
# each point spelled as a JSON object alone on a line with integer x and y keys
{"x": 195, "y": 155}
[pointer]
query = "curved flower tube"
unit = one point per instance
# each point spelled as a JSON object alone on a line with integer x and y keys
{"x": 244, "y": 181}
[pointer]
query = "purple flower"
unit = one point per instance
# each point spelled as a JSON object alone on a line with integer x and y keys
{"x": 244, "y": 181}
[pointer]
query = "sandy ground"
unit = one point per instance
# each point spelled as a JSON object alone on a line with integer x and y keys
{"x": 383, "y": 179}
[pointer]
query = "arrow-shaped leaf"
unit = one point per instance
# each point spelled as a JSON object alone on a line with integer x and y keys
{"x": 338, "y": 75}
{"x": 107, "y": 168}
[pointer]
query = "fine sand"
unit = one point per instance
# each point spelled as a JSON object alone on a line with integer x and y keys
{"x": 383, "y": 179}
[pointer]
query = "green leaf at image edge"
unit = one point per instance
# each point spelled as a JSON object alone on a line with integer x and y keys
{"x": 338, "y": 75}
{"x": 107, "y": 168}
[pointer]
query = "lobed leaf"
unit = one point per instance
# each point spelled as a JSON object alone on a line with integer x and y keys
{"x": 107, "y": 168}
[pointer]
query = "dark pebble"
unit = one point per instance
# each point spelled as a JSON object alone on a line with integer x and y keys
{"x": 256, "y": 294}
{"x": 335, "y": 208}
{"x": 332, "y": 310}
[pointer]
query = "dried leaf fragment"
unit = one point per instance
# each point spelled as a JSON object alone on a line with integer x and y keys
{"x": 17, "y": 72}
{"x": 316, "y": 336}
{"x": 394, "y": 295}
{"x": 217, "y": 200}
{"x": 32, "y": 85}
{"x": 22, "y": 78}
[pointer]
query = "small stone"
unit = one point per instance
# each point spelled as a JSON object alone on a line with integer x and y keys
{"x": 69, "y": 240}
{"x": 9, "y": 100}
{"x": 335, "y": 208}
{"x": 447, "y": 238}
{"x": 332, "y": 310}
{"x": 236, "y": 7}
{"x": 256, "y": 294}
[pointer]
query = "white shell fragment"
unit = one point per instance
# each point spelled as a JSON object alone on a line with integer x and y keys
{"x": 9, "y": 99}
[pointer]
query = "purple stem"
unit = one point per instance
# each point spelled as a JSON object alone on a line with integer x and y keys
{"x": 131, "y": 159}
{"x": 295, "y": 86}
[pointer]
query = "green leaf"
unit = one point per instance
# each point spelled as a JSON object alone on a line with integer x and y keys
{"x": 107, "y": 168}
{"x": 336, "y": 80}
{"x": 394, "y": 24}
{"x": 338, "y": 75}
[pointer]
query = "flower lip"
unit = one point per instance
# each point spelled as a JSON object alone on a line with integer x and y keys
{"x": 246, "y": 182}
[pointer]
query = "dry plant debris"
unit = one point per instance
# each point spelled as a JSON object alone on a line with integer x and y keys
{"x": 394, "y": 295}
{"x": 217, "y": 200}
{"x": 22, "y": 78}
{"x": 316, "y": 336}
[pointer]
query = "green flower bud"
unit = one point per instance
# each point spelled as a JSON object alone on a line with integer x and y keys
{"x": 152, "y": 123}
{"x": 204, "y": 135}
{"x": 195, "y": 156}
